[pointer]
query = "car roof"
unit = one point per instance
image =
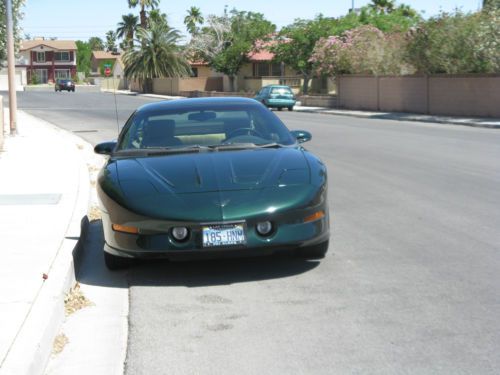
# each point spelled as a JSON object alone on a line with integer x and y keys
{"x": 197, "y": 102}
{"x": 278, "y": 86}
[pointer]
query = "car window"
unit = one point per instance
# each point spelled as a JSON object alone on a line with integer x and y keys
{"x": 203, "y": 126}
{"x": 281, "y": 91}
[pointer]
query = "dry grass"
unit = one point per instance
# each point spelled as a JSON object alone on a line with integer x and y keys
{"x": 75, "y": 300}
{"x": 59, "y": 343}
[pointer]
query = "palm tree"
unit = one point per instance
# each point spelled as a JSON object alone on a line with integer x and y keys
{"x": 155, "y": 55}
{"x": 143, "y": 4}
{"x": 126, "y": 28}
{"x": 110, "y": 41}
{"x": 192, "y": 19}
{"x": 96, "y": 44}
{"x": 158, "y": 17}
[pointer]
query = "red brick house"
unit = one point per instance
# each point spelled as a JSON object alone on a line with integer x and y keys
{"x": 47, "y": 60}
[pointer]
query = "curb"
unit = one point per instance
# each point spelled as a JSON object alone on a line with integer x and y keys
{"x": 31, "y": 350}
{"x": 397, "y": 116}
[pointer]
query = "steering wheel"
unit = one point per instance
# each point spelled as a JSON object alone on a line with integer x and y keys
{"x": 244, "y": 131}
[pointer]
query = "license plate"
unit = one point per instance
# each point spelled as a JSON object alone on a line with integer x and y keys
{"x": 223, "y": 235}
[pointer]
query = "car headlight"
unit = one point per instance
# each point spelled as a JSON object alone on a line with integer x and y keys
{"x": 180, "y": 233}
{"x": 264, "y": 228}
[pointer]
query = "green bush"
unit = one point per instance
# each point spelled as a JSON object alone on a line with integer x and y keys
{"x": 456, "y": 43}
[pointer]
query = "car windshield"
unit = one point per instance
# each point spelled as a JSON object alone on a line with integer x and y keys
{"x": 204, "y": 126}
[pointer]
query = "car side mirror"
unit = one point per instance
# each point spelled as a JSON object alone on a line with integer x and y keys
{"x": 301, "y": 135}
{"x": 105, "y": 148}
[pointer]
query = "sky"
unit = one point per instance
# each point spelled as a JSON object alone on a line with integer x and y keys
{"x": 80, "y": 20}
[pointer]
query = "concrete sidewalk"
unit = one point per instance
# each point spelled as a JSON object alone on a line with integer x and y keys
{"x": 481, "y": 122}
{"x": 44, "y": 198}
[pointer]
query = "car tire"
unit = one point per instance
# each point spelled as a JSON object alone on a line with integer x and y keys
{"x": 114, "y": 263}
{"x": 290, "y": 108}
{"x": 314, "y": 252}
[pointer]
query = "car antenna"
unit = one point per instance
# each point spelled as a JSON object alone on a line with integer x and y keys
{"x": 116, "y": 107}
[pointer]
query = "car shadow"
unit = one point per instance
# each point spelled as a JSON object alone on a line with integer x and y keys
{"x": 158, "y": 272}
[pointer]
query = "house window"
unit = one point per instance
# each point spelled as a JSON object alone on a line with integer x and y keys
{"x": 62, "y": 74}
{"x": 275, "y": 69}
{"x": 261, "y": 69}
{"x": 40, "y": 56}
{"x": 265, "y": 69}
{"x": 61, "y": 56}
{"x": 194, "y": 72}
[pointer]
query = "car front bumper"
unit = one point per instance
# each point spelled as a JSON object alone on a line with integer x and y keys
{"x": 286, "y": 236}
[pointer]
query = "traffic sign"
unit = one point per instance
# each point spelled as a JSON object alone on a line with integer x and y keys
{"x": 107, "y": 72}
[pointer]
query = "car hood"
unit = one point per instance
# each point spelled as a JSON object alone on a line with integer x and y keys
{"x": 210, "y": 185}
{"x": 214, "y": 171}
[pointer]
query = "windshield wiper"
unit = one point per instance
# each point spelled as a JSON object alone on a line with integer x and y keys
{"x": 269, "y": 145}
{"x": 159, "y": 151}
{"x": 232, "y": 146}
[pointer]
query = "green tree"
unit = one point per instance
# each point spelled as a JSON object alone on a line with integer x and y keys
{"x": 227, "y": 40}
{"x": 401, "y": 18}
{"x": 382, "y": 6}
{"x": 297, "y": 42}
{"x": 83, "y": 56}
{"x": 155, "y": 55}
{"x": 193, "y": 18}
{"x": 126, "y": 29}
{"x": 110, "y": 41}
{"x": 143, "y": 4}
{"x": 96, "y": 44}
{"x": 17, "y": 16}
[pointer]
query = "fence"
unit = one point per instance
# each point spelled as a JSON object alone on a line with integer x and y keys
{"x": 442, "y": 94}
{"x": 176, "y": 85}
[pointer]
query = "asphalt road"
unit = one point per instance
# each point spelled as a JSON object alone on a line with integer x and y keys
{"x": 411, "y": 283}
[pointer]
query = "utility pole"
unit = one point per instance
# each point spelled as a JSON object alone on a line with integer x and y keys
{"x": 11, "y": 69}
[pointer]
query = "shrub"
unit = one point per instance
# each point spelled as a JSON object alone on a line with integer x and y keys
{"x": 457, "y": 43}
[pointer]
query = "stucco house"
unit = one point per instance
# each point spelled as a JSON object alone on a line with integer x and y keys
{"x": 99, "y": 57}
{"x": 47, "y": 60}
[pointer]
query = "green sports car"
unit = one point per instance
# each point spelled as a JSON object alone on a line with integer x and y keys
{"x": 210, "y": 177}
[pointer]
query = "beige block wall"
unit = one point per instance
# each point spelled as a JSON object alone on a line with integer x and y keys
{"x": 454, "y": 95}
{"x": 111, "y": 83}
{"x": 166, "y": 86}
{"x": 403, "y": 94}
{"x": 200, "y": 84}
{"x": 357, "y": 92}
{"x": 465, "y": 95}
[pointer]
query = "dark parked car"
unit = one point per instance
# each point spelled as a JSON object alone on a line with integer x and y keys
{"x": 210, "y": 177}
{"x": 65, "y": 84}
{"x": 276, "y": 96}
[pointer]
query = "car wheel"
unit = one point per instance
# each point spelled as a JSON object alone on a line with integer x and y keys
{"x": 114, "y": 263}
{"x": 290, "y": 108}
{"x": 314, "y": 252}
